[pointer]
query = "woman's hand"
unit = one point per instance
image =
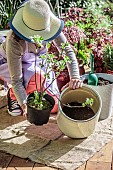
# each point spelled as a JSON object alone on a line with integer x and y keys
{"x": 73, "y": 84}
{"x": 24, "y": 108}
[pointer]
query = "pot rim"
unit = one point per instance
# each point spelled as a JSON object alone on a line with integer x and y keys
{"x": 82, "y": 121}
{"x": 109, "y": 76}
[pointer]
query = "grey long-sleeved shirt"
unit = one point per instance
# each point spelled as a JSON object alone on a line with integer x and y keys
{"x": 14, "y": 52}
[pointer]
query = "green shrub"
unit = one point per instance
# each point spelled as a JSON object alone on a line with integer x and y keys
{"x": 7, "y": 9}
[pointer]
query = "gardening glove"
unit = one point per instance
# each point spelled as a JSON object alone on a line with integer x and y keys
{"x": 24, "y": 108}
{"x": 73, "y": 84}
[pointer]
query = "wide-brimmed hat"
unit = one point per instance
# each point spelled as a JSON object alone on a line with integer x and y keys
{"x": 34, "y": 17}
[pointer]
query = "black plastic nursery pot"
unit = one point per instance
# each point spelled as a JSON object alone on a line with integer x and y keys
{"x": 39, "y": 117}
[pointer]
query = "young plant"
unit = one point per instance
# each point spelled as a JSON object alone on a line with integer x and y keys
{"x": 88, "y": 102}
{"x": 39, "y": 100}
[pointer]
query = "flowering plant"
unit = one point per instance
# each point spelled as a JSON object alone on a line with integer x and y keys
{"x": 88, "y": 32}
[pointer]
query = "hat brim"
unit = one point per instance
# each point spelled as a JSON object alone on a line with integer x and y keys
{"x": 50, "y": 33}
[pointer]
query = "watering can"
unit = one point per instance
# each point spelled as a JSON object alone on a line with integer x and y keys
{"x": 92, "y": 77}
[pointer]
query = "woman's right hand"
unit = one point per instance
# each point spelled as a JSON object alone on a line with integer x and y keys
{"x": 73, "y": 84}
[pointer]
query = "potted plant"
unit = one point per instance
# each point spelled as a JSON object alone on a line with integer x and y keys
{"x": 40, "y": 104}
{"x": 78, "y": 123}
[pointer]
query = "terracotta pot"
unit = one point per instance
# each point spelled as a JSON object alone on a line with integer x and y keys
{"x": 81, "y": 66}
{"x": 109, "y": 72}
{"x": 81, "y": 70}
{"x": 63, "y": 79}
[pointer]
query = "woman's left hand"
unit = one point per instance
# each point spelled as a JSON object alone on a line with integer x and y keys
{"x": 73, "y": 84}
{"x": 24, "y": 108}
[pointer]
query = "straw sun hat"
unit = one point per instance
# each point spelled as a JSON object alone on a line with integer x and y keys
{"x": 34, "y": 17}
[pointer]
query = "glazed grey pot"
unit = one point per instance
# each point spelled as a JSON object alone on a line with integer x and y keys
{"x": 106, "y": 94}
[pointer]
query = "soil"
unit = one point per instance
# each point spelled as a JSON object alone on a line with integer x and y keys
{"x": 46, "y": 102}
{"x": 78, "y": 113}
{"x": 101, "y": 81}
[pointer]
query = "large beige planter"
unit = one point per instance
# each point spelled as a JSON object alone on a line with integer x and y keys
{"x": 78, "y": 128}
{"x": 106, "y": 94}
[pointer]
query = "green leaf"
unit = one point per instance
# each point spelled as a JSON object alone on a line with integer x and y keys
{"x": 88, "y": 102}
{"x": 69, "y": 23}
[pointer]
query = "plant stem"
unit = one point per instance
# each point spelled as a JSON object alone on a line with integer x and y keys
{"x": 67, "y": 105}
{"x": 35, "y": 72}
{"x": 51, "y": 83}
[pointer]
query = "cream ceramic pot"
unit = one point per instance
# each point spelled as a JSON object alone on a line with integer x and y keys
{"x": 78, "y": 128}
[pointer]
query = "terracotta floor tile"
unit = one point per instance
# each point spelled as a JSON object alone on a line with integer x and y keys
{"x": 47, "y": 131}
{"x": 20, "y": 164}
{"x": 91, "y": 165}
{"x": 5, "y": 159}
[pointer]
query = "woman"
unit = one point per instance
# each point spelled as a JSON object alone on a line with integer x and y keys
{"x": 17, "y": 53}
